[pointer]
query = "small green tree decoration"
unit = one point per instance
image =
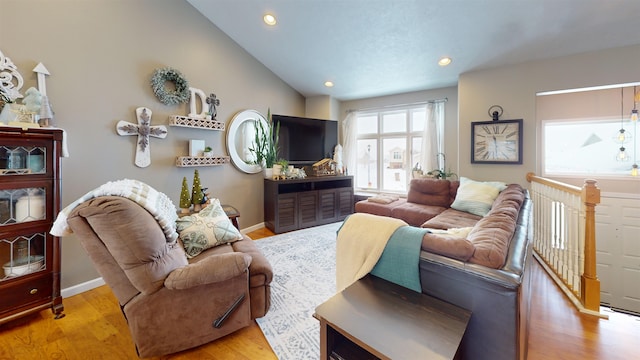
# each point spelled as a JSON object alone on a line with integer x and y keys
{"x": 185, "y": 198}
{"x": 196, "y": 192}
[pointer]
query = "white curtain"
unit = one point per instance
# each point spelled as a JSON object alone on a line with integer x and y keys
{"x": 349, "y": 139}
{"x": 432, "y": 154}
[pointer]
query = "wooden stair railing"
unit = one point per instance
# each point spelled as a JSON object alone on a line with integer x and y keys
{"x": 565, "y": 238}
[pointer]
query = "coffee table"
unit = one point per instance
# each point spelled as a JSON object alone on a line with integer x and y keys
{"x": 376, "y": 319}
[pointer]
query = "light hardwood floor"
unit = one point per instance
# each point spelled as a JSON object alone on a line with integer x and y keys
{"x": 94, "y": 328}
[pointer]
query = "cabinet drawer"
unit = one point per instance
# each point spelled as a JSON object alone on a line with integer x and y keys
{"x": 25, "y": 293}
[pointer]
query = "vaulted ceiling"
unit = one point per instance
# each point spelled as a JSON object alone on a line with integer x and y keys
{"x": 372, "y": 48}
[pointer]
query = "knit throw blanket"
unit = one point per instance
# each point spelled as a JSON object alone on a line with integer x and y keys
{"x": 155, "y": 202}
{"x": 400, "y": 260}
{"x": 383, "y": 246}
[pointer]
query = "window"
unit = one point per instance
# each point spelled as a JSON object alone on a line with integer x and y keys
{"x": 585, "y": 147}
{"x": 388, "y": 143}
{"x": 580, "y": 129}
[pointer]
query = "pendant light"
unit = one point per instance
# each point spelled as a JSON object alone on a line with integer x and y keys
{"x": 634, "y": 121}
{"x": 622, "y": 137}
{"x": 634, "y": 112}
{"x": 622, "y": 154}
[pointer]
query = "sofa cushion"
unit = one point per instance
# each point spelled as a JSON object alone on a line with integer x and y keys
{"x": 450, "y": 245}
{"x": 452, "y": 218}
{"x": 374, "y": 208}
{"x": 491, "y": 238}
{"x": 492, "y": 234}
{"x": 476, "y": 197}
{"x": 208, "y": 228}
{"x": 415, "y": 214}
{"x": 513, "y": 192}
{"x": 429, "y": 192}
{"x": 383, "y": 198}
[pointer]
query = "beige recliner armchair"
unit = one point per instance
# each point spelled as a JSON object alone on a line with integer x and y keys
{"x": 171, "y": 303}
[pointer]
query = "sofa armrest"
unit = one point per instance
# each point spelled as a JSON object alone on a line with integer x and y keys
{"x": 210, "y": 270}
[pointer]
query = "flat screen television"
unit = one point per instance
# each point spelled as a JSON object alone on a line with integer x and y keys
{"x": 304, "y": 141}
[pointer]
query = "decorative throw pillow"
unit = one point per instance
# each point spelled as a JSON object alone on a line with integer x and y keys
{"x": 383, "y": 199}
{"x": 476, "y": 197}
{"x": 206, "y": 229}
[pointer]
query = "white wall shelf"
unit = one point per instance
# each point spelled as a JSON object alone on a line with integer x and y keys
{"x": 198, "y": 123}
{"x": 191, "y": 161}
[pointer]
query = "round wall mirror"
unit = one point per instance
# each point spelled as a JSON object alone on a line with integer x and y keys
{"x": 240, "y": 137}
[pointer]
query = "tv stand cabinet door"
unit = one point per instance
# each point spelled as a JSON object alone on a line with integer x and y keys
{"x": 328, "y": 206}
{"x": 307, "y": 209}
{"x": 345, "y": 203}
{"x": 286, "y": 213}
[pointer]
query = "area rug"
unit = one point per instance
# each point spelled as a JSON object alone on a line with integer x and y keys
{"x": 304, "y": 268}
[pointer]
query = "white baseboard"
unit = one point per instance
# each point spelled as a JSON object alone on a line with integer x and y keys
{"x": 80, "y": 288}
{"x": 252, "y": 228}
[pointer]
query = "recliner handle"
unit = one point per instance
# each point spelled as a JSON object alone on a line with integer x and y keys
{"x": 219, "y": 321}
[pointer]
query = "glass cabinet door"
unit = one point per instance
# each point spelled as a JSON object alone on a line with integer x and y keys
{"x": 22, "y": 160}
{"x": 22, "y": 255}
{"x": 22, "y": 205}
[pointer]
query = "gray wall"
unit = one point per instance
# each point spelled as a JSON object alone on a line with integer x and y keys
{"x": 101, "y": 55}
{"x": 515, "y": 88}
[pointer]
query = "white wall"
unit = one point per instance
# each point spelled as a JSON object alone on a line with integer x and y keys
{"x": 101, "y": 55}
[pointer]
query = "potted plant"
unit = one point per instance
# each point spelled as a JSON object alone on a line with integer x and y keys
{"x": 265, "y": 146}
{"x": 207, "y": 152}
{"x": 280, "y": 167}
{"x": 441, "y": 174}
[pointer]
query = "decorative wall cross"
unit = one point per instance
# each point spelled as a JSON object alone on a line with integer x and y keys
{"x": 143, "y": 129}
{"x": 213, "y": 101}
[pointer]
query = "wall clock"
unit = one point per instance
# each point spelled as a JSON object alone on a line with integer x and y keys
{"x": 496, "y": 142}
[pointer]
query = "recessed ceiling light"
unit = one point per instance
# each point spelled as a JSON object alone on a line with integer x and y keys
{"x": 328, "y": 83}
{"x": 444, "y": 61}
{"x": 269, "y": 19}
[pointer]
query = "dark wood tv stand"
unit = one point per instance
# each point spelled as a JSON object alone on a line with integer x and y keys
{"x": 301, "y": 203}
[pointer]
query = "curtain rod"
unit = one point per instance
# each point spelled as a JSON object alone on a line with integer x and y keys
{"x": 399, "y": 105}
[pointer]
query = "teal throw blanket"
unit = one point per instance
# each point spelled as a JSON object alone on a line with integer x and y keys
{"x": 400, "y": 260}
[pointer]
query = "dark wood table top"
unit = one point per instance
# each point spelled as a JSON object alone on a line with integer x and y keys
{"x": 391, "y": 321}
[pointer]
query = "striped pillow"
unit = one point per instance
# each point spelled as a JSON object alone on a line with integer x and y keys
{"x": 476, "y": 197}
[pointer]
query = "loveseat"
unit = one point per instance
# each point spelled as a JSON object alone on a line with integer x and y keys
{"x": 476, "y": 256}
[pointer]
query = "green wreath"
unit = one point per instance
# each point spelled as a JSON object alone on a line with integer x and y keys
{"x": 179, "y": 95}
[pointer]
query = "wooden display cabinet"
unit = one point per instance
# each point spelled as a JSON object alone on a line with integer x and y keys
{"x": 29, "y": 203}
